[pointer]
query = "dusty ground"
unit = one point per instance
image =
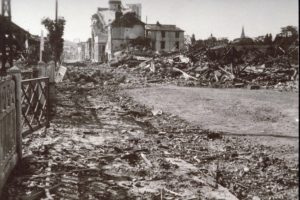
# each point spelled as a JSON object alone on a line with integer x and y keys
{"x": 103, "y": 144}
{"x": 236, "y": 111}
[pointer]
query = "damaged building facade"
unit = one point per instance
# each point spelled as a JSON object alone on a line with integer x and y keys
{"x": 122, "y": 30}
{"x": 102, "y": 28}
{"x": 165, "y": 37}
{"x": 114, "y": 27}
{"x": 84, "y": 50}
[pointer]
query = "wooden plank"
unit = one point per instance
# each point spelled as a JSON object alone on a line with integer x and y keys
{"x": 7, "y": 111}
{"x": 8, "y": 155}
{"x": 5, "y": 172}
{"x": 34, "y": 80}
{"x": 186, "y": 76}
{"x": 35, "y": 128}
{"x": 1, "y": 144}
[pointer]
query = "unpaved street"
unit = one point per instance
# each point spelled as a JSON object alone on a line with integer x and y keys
{"x": 102, "y": 144}
{"x": 266, "y": 117}
{"x": 236, "y": 111}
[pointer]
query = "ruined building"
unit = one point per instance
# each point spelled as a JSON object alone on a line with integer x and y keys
{"x": 165, "y": 37}
{"x": 24, "y": 44}
{"x": 101, "y": 30}
{"x": 113, "y": 28}
{"x": 122, "y": 30}
{"x": 84, "y": 50}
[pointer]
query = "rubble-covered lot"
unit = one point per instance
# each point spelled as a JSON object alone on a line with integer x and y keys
{"x": 104, "y": 145}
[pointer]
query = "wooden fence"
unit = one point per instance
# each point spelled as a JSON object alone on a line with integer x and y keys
{"x": 24, "y": 108}
{"x": 35, "y": 104}
{"x": 10, "y": 131}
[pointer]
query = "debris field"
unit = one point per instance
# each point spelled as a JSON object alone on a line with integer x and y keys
{"x": 228, "y": 66}
{"x": 103, "y": 145}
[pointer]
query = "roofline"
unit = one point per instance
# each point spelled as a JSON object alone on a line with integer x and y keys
{"x": 166, "y": 29}
{"x": 163, "y": 24}
{"x": 140, "y": 22}
{"x": 15, "y": 25}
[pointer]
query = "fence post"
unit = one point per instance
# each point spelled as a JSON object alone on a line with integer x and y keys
{"x": 52, "y": 92}
{"x": 42, "y": 69}
{"x": 16, "y": 73}
{"x": 35, "y": 71}
{"x": 48, "y": 103}
{"x": 51, "y": 71}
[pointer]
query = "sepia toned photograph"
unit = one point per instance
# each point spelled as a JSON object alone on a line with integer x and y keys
{"x": 149, "y": 100}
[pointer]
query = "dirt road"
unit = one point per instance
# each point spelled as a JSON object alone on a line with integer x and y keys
{"x": 269, "y": 117}
{"x": 103, "y": 144}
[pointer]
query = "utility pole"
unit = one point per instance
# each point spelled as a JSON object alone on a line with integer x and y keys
{"x": 56, "y": 11}
{"x": 56, "y": 26}
{"x": 6, "y": 53}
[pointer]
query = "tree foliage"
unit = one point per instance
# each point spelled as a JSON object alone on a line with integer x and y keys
{"x": 289, "y": 31}
{"x": 288, "y": 36}
{"x": 259, "y": 39}
{"x": 55, "y": 36}
{"x": 268, "y": 39}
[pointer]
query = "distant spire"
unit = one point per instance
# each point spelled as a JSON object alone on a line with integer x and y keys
{"x": 243, "y": 33}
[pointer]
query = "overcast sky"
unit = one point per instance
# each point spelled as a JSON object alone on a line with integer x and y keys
{"x": 222, "y": 18}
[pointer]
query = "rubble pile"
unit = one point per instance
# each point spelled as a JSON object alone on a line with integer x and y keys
{"x": 90, "y": 77}
{"x": 219, "y": 67}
